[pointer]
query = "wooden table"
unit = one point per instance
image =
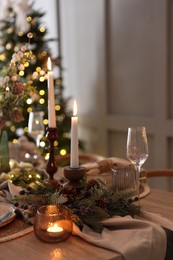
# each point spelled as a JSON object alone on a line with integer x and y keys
{"x": 29, "y": 247}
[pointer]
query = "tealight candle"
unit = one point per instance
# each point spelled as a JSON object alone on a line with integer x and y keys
{"x": 74, "y": 156}
{"x": 51, "y": 96}
{"x": 52, "y": 223}
{"x": 54, "y": 228}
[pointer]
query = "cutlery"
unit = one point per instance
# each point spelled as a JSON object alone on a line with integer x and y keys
{"x": 5, "y": 216}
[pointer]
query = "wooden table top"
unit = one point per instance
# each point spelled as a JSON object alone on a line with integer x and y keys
{"x": 29, "y": 247}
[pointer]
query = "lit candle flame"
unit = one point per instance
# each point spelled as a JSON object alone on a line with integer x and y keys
{"x": 74, "y": 108}
{"x": 49, "y": 64}
{"x": 55, "y": 228}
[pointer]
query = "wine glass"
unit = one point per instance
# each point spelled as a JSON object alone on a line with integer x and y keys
{"x": 35, "y": 129}
{"x": 137, "y": 149}
{"x": 36, "y": 126}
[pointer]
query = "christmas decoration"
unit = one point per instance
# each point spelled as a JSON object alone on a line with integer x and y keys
{"x": 89, "y": 204}
{"x": 23, "y": 37}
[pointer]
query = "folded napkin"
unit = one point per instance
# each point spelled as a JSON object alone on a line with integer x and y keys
{"x": 8, "y": 190}
{"x": 132, "y": 238}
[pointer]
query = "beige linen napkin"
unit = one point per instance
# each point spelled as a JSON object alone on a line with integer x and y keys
{"x": 8, "y": 190}
{"x": 134, "y": 239}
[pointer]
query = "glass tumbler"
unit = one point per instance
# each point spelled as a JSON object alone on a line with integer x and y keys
{"x": 123, "y": 178}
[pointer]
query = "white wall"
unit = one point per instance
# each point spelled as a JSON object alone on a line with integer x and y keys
{"x": 49, "y": 20}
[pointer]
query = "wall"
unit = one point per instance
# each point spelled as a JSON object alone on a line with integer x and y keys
{"x": 117, "y": 59}
{"x": 49, "y": 20}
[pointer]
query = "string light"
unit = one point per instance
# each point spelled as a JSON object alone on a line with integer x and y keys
{"x": 41, "y": 92}
{"x": 44, "y": 53}
{"x": 9, "y": 30}
{"x": 29, "y": 101}
{"x": 58, "y": 81}
{"x": 21, "y": 73}
{"x": 8, "y": 46}
{"x": 46, "y": 156}
{"x": 42, "y": 29}
{"x": 42, "y": 79}
{"x": 2, "y": 57}
{"x": 63, "y": 152}
{"x": 26, "y": 64}
{"x": 12, "y": 128}
{"x": 42, "y": 144}
{"x": 20, "y": 34}
{"x": 45, "y": 121}
{"x": 38, "y": 69}
{"x": 56, "y": 143}
{"x": 42, "y": 101}
{"x": 57, "y": 107}
{"x": 29, "y": 19}
{"x": 15, "y": 141}
{"x": 29, "y": 109}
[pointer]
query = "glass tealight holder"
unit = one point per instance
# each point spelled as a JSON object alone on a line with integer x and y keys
{"x": 52, "y": 223}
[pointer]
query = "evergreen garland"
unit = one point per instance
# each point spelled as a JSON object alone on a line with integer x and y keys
{"x": 89, "y": 204}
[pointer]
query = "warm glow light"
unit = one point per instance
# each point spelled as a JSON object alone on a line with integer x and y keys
{"x": 26, "y": 64}
{"x": 63, "y": 152}
{"x": 45, "y": 121}
{"x": 21, "y": 73}
{"x": 38, "y": 69}
{"x": 74, "y": 108}
{"x": 56, "y": 254}
{"x": 20, "y": 34}
{"x": 29, "y": 101}
{"x": 49, "y": 64}
{"x": 42, "y": 79}
{"x": 54, "y": 228}
{"x": 12, "y": 128}
{"x": 29, "y": 18}
{"x": 44, "y": 53}
{"x": 29, "y": 109}
{"x": 15, "y": 141}
{"x": 42, "y": 101}
{"x": 42, "y": 29}
{"x": 56, "y": 143}
{"x": 46, "y": 156}
{"x": 41, "y": 92}
{"x": 42, "y": 144}
{"x": 57, "y": 107}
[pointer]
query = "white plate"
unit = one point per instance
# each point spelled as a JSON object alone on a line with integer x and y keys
{"x": 5, "y": 208}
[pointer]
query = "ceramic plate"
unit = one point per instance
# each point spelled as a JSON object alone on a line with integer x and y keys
{"x": 7, "y": 213}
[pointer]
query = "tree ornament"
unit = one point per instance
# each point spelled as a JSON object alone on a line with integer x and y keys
{"x": 30, "y": 35}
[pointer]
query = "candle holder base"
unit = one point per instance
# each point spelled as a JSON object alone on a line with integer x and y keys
{"x": 74, "y": 176}
{"x": 51, "y": 167}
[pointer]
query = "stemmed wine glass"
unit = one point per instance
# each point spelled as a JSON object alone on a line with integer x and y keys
{"x": 36, "y": 128}
{"x": 137, "y": 149}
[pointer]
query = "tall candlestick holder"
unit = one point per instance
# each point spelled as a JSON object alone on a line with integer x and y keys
{"x": 51, "y": 167}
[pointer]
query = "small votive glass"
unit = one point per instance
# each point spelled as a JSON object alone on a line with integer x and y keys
{"x": 124, "y": 178}
{"x": 52, "y": 223}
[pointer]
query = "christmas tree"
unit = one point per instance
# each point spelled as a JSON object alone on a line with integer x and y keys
{"x": 19, "y": 24}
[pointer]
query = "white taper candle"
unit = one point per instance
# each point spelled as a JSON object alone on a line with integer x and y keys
{"x": 74, "y": 155}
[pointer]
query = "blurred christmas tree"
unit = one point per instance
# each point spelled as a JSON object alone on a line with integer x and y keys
{"x": 18, "y": 22}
